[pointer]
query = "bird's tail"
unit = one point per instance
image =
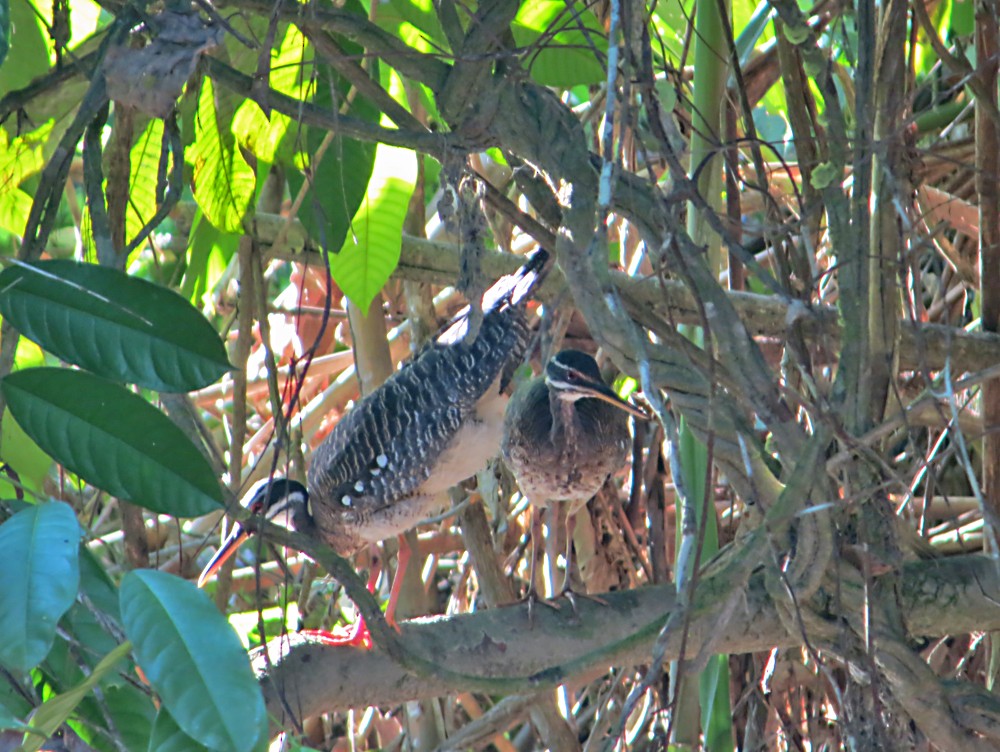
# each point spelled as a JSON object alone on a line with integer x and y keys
{"x": 511, "y": 289}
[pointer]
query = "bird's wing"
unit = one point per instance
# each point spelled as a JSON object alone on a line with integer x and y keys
{"x": 389, "y": 443}
{"x": 508, "y": 291}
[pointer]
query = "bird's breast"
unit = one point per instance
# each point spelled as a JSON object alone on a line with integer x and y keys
{"x": 474, "y": 444}
{"x": 347, "y": 530}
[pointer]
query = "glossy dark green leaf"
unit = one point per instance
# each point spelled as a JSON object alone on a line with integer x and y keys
{"x": 41, "y": 575}
{"x": 193, "y": 659}
{"x": 167, "y": 736}
{"x": 9, "y": 722}
{"x": 112, "y": 438}
{"x": 132, "y": 711}
{"x": 120, "y": 327}
{"x": 13, "y": 703}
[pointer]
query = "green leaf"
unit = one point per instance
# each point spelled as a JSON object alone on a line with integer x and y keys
{"x": 264, "y": 135}
{"x": 12, "y": 701}
{"x": 209, "y": 252}
{"x": 144, "y": 161}
{"x": 415, "y": 22}
{"x": 756, "y": 25}
{"x": 22, "y": 157}
{"x": 963, "y": 19}
{"x": 88, "y": 623}
{"x": 132, "y": 711}
{"x": 19, "y": 160}
{"x": 168, "y": 737}
{"x": 716, "y": 709}
{"x": 223, "y": 182}
{"x": 371, "y": 253}
{"x": 4, "y": 29}
{"x": 193, "y": 659}
{"x": 9, "y": 722}
{"x": 796, "y": 34}
{"x": 823, "y": 175}
{"x": 15, "y": 206}
{"x": 23, "y": 455}
{"x": 28, "y": 56}
{"x": 574, "y": 43}
{"x": 112, "y": 438}
{"x": 41, "y": 575}
{"x": 54, "y": 712}
{"x": 339, "y": 180}
{"x": 121, "y": 327}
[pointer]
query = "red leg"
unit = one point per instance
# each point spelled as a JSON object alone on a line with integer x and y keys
{"x": 355, "y": 634}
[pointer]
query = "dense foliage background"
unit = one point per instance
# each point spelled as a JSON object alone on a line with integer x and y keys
{"x": 778, "y": 222}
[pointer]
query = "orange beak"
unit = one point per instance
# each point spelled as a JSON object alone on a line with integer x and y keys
{"x": 237, "y": 536}
{"x": 606, "y": 394}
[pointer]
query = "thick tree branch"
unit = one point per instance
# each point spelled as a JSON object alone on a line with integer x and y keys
{"x": 944, "y": 596}
{"x": 922, "y": 346}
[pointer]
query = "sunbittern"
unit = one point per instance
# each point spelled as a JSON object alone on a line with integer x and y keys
{"x": 435, "y": 422}
{"x": 565, "y": 432}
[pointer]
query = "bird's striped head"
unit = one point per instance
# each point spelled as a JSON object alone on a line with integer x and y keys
{"x": 282, "y": 501}
{"x": 573, "y": 375}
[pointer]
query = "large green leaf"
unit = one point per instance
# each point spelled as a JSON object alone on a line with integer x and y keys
{"x": 10, "y": 722}
{"x": 371, "y": 252}
{"x": 120, "y": 327}
{"x": 223, "y": 181}
{"x": 338, "y": 181}
{"x": 415, "y": 22}
{"x": 209, "y": 253}
{"x": 28, "y": 56}
{"x": 193, "y": 659}
{"x": 54, "y": 712}
{"x": 20, "y": 158}
{"x": 41, "y": 575}
{"x": 132, "y": 711}
{"x": 574, "y": 43}
{"x": 112, "y": 438}
{"x": 144, "y": 161}
{"x": 167, "y": 736}
{"x": 263, "y": 135}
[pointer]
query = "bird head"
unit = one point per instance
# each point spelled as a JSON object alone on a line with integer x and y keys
{"x": 573, "y": 375}
{"x": 282, "y": 501}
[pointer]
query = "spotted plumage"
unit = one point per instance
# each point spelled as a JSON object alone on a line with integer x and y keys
{"x": 432, "y": 424}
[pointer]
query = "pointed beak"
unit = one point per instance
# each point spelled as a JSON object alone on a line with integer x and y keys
{"x": 601, "y": 391}
{"x": 233, "y": 541}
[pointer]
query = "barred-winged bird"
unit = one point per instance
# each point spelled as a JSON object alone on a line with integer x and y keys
{"x": 432, "y": 424}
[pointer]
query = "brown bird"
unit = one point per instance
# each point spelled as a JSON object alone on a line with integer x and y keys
{"x": 564, "y": 433}
{"x": 432, "y": 424}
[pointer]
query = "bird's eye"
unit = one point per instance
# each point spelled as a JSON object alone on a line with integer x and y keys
{"x": 575, "y": 376}
{"x": 257, "y": 507}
